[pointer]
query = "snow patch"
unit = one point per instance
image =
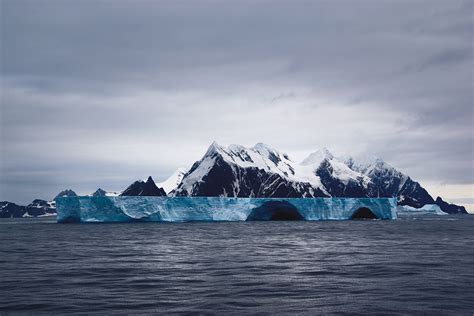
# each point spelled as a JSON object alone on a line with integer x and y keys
{"x": 173, "y": 181}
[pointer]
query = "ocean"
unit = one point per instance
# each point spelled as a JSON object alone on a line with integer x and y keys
{"x": 421, "y": 265}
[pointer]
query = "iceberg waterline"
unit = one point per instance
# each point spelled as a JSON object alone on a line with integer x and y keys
{"x": 184, "y": 209}
{"x": 428, "y": 209}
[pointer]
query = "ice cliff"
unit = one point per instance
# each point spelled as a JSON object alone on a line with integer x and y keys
{"x": 183, "y": 209}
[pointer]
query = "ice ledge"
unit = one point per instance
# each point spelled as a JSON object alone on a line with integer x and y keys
{"x": 183, "y": 209}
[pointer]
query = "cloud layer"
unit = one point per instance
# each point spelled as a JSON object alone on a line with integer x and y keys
{"x": 99, "y": 94}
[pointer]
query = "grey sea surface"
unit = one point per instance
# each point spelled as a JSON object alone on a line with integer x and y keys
{"x": 421, "y": 265}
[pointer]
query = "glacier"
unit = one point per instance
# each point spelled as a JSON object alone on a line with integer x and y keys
{"x": 105, "y": 209}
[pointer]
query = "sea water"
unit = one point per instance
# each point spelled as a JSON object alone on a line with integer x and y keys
{"x": 415, "y": 265}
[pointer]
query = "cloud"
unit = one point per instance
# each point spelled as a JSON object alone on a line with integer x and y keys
{"x": 95, "y": 94}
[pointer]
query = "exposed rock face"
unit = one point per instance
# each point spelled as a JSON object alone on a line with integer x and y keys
{"x": 261, "y": 171}
{"x": 450, "y": 208}
{"x": 41, "y": 208}
{"x": 36, "y": 208}
{"x": 387, "y": 181}
{"x": 359, "y": 186}
{"x": 9, "y": 210}
{"x": 143, "y": 188}
{"x": 241, "y": 172}
{"x": 99, "y": 192}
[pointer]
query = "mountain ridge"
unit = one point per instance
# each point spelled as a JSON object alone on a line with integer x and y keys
{"x": 262, "y": 171}
{"x": 143, "y": 188}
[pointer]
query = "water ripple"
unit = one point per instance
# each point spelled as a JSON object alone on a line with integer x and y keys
{"x": 395, "y": 267}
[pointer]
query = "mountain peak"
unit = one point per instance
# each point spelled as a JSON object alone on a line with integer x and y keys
{"x": 260, "y": 146}
{"x": 317, "y": 157}
{"x": 268, "y": 152}
{"x": 67, "y": 192}
{"x": 261, "y": 171}
{"x": 365, "y": 163}
{"x": 236, "y": 148}
{"x": 150, "y": 180}
{"x": 99, "y": 192}
{"x": 140, "y": 188}
{"x": 213, "y": 148}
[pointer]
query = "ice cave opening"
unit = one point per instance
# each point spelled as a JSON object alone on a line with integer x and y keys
{"x": 364, "y": 213}
{"x": 275, "y": 211}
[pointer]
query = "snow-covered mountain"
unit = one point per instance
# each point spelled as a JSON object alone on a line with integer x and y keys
{"x": 9, "y": 210}
{"x": 261, "y": 171}
{"x": 41, "y": 208}
{"x": 237, "y": 171}
{"x": 35, "y": 209}
{"x": 173, "y": 181}
{"x": 387, "y": 181}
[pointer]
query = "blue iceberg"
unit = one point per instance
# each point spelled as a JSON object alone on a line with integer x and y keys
{"x": 184, "y": 209}
{"x": 428, "y": 209}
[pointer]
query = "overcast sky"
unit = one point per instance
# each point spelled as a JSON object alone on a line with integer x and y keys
{"x": 101, "y": 93}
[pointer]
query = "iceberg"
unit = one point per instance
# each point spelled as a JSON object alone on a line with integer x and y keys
{"x": 107, "y": 209}
{"x": 427, "y": 209}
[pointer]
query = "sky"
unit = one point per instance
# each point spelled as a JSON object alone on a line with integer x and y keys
{"x": 101, "y": 93}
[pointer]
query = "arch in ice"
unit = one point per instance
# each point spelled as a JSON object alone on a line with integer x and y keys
{"x": 275, "y": 211}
